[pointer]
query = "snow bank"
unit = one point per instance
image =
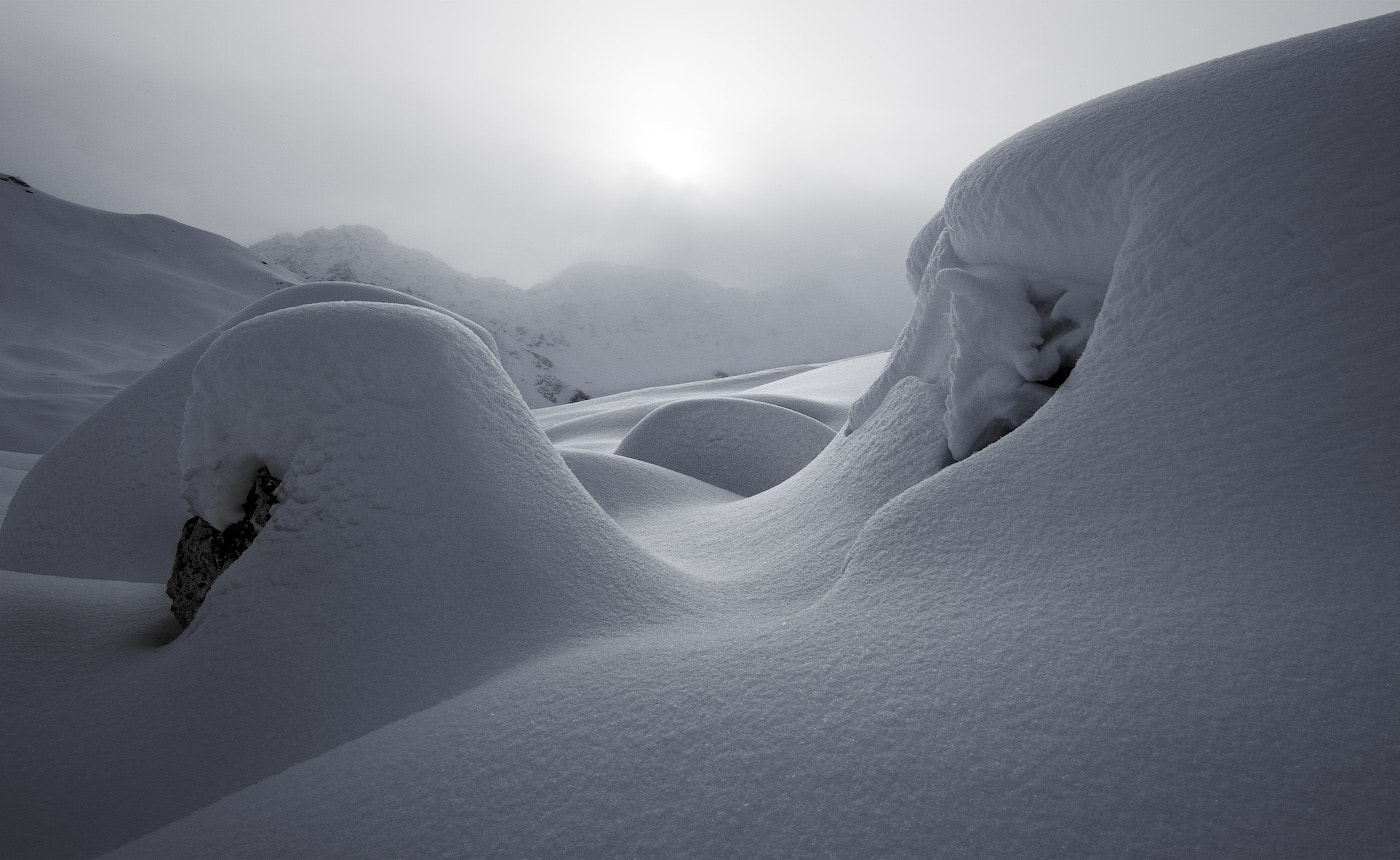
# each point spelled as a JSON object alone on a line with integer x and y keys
{"x": 1003, "y": 337}
{"x": 394, "y": 433}
{"x": 780, "y": 549}
{"x": 1157, "y": 619}
{"x": 105, "y": 502}
{"x": 1011, "y": 274}
{"x": 744, "y": 446}
{"x": 426, "y": 535}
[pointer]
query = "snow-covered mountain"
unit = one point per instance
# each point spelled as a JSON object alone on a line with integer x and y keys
{"x": 90, "y": 300}
{"x": 94, "y": 299}
{"x": 1101, "y": 563}
{"x": 578, "y": 334}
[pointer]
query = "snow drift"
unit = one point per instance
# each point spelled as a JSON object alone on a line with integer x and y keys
{"x": 1102, "y": 564}
{"x": 123, "y": 522}
{"x": 745, "y": 446}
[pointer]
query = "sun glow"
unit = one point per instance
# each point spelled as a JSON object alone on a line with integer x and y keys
{"x": 673, "y": 153}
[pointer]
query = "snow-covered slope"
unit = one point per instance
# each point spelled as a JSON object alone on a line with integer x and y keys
{"x": 365, "y": 255}
{"x": 125, "y": 456}
{"x": 1144, "y": 608}
{"x": 93, "y": 299}
{"x": 579, "y": 333}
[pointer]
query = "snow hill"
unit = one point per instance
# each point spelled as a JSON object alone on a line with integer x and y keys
{"x": 578, "y": 334}
{"x": 1100, "y": 562}
{"x": 94, "y": 299}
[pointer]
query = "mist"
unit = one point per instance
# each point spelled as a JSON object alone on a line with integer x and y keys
{"x": 750, "y": 144}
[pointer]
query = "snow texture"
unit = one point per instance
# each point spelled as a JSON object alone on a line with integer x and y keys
{"x": 93, "y": 299}
{"x": 125, "y": 515}
{"x": 744, "y": 446}
{"x": 1157, "y": 618}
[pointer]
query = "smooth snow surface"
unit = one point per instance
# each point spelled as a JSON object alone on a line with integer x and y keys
{"x": 13, "y": 467}
{"x": 94, "y": 299}
{"x": 744, "y": 446}
{"x": 1157, "y": 617}
{"x": 127, "y": 515}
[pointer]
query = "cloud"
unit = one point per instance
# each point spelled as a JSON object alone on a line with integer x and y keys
{"x": 507, "y": 138}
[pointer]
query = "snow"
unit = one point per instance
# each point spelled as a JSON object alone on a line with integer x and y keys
{"x": 13, "y": 468}
{"x": 127, "y": 515}
{"x": 744, "y": 446}
{"x": 1145, "y": 608}
{"x": 93, "y": 299}
{"x": 579, "y": 331}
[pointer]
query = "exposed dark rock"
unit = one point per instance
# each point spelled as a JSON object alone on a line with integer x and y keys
{"x": 204, "y": 552}
{"x": 549, "y": 387}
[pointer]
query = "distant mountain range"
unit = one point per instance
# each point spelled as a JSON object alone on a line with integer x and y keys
{"x": 90, "y": 300}
{"x": 600, "y": 328}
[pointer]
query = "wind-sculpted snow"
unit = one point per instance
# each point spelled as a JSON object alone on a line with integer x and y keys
{"x": 1158, "y": 619}
{"x": 1002, "y": 337}
{"x": 744, "y": 446}
{"x": 105, "y": 502}
{"x": 426, "y": 534}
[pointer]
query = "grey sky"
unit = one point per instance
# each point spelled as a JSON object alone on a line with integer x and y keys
{"x": 745, "y": 142}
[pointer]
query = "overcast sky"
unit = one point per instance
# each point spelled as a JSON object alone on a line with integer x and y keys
{"x": 744, "y": 142}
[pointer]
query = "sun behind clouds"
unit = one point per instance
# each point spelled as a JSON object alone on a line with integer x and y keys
{"x": 673, "y": 152}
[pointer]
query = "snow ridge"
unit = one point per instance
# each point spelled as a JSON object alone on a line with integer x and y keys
{"x": 1157, "y": 618}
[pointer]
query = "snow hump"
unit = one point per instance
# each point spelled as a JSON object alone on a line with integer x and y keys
{"x": 105, "y": 501}
{"x": 744, "y": 446}
{"x": 1156, "y": 620}
{"x": 401, "y": 446}
{"x": 1238, "y": 160}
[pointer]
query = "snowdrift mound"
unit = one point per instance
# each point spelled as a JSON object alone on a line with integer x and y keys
{"x": 394, "y": 433}
{"x": 626, "y": 488}
{"x": 1011, "y": 275}
{"x": 94, "y": 299}
{"x": 784, "y": 547}
{"x": 821, "y": 391}
{"x": 426, "y": 534}
{"x": 105, "y": 502}
{"x": 1157, "y": 619}
{"x": 1178, "y": 576}
{"x": 744, "y": 446}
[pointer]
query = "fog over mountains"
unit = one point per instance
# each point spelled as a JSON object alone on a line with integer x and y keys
{"x": 94, "y": 299}
{"x": 1098, "y": 561}
{"x": 579, "y": 334}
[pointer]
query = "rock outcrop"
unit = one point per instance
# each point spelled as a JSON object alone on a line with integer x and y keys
{"x": 204, "y": 552}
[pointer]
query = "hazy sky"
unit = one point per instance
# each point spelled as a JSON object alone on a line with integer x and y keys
{"x": 745, "y": 142}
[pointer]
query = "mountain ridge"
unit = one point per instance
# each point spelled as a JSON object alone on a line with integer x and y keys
{"x": 93, "y": 299}
{"x": 573, "y": 336}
